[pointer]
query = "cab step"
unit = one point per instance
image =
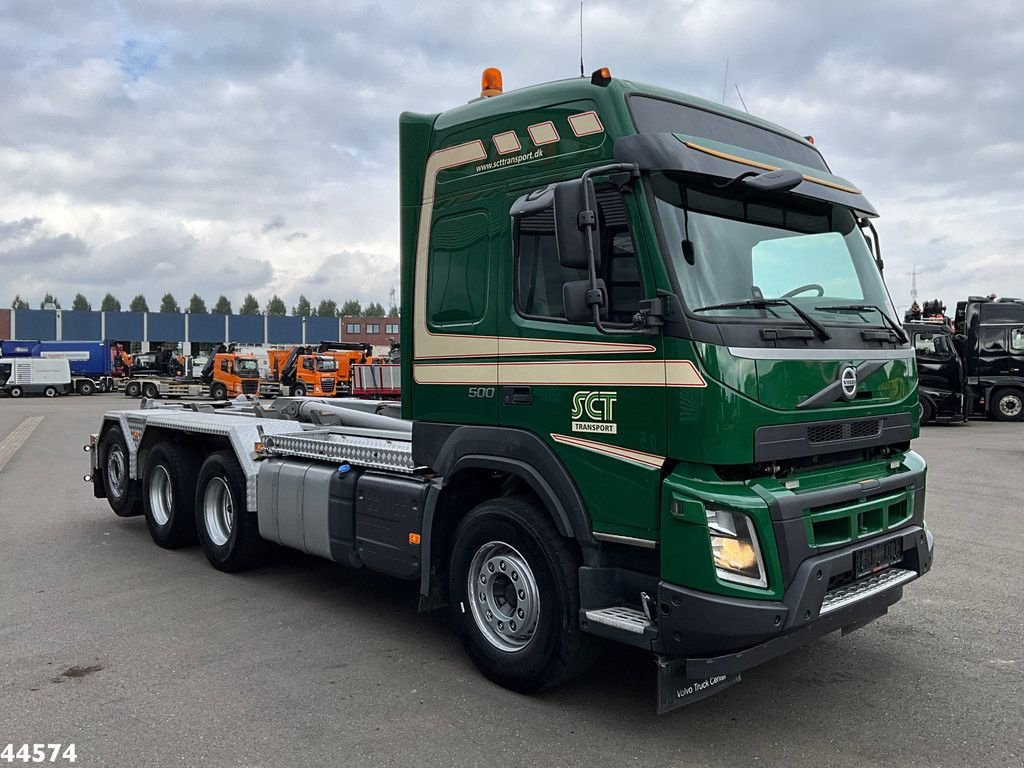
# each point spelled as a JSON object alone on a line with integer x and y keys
{"x": 630, "y": 620}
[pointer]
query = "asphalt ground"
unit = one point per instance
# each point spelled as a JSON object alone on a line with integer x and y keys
{"x": 146, "y": 657}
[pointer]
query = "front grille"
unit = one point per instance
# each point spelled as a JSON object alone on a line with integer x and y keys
{"x": 844, "y": 430}
{"x": 250, "y": 387}
{"x": 833, "y": 525}
{"x": 327, "y": 385}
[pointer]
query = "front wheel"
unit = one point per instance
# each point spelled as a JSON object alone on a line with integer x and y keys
{"x": 514, "y": 594}
{"x": 122, "y": 492}
{"x": 299, "y": 390}
{"x": 219, "y": 392}
{"x": 927, "y": 412}
{"x": 228, "y": 533}
{"x": 132, "y": 389}
{"x": 1008, "y": 405}
{"x": 86, "y": 388}
{"x": 151, "y": 391}
{"x": 15, "y": 391}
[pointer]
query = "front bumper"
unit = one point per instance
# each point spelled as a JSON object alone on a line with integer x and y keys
{"x": 699, "y": 626}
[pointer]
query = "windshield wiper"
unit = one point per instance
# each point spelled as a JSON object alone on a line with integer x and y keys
{"x": 869, "y": 308}
{"x": 814, "y": 325}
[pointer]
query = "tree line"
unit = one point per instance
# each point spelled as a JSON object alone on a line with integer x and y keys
{"x": 197, "y": 306}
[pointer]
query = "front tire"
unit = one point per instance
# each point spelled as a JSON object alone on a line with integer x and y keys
{"x": 513, "y": 585}
{"x": 168, "y": 495}
{"x": 299, "y": 390}
{"x": 219, "y": 392}
{"x": 86, "y": 388}
{"x": 133, "y": 389}
{"x": 15, "y": 391}
{"x": 1007, "y": 405}
{"x": 151, "y": 391}
{"x": 927, "y": 412}
{"x": 122, "y": 491}
{"x": 228, "y": 533}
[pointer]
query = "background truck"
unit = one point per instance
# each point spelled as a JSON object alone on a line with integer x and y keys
{"x": 301, "y": 371}
{"x": 35, "y": 376}
{"x": 653, "y": 391}
{"x": 990, "y": 335}
{"x": 92, "y": 363}
{"x": 225, "y": 375}
{"x": 940, "y": 369}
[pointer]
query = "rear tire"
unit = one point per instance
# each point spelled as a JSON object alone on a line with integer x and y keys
{"x": 122, "y": 491}
{"x": 169, "y": 494}
{"x": 50, "y": 392}
{"x": 151, "y": 391}
{"x": 228, "y": 533}
{"x": 1007, "y": 405}
{"x": 513, "y": 586}
{"x": 133, "y": 389}
{"x": 15, "y": 392}
{"x": 86, "y": 388}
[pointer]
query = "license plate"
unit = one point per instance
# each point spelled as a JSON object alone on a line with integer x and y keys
{"x": 877, "y": 557}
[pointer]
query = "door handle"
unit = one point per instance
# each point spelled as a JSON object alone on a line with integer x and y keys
{"x": 517, "y": 395}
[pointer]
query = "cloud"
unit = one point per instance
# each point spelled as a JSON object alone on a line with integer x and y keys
{"x": 156, "y": 145}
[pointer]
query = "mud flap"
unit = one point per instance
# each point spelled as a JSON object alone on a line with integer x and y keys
{"x": 676, "y": 690}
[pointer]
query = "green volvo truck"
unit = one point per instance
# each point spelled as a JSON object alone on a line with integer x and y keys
{"x": 653, "y": 391}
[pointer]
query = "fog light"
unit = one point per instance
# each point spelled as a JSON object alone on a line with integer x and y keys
{"x": 735, "y": 548}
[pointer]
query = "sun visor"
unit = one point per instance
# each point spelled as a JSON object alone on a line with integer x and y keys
{"x": 677, "y": 152}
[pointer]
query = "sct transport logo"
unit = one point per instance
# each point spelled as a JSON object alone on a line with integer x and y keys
{"x": 594, "y": 412}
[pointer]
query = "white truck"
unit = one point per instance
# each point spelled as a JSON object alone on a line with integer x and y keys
{"x": 49, "y": 377}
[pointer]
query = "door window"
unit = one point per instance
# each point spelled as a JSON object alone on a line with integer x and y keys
{"x": 458, "y": 270}
{"x": 1017, "y": 339}
{"x": 540, "y": 276}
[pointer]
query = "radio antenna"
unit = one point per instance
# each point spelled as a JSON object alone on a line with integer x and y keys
{"x": 725, "y": 80}
{"x": 581, "y": 39}
{"x": 741, "y": 98}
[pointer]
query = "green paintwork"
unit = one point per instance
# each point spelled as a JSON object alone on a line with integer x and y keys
{"x": 694, "y": 428}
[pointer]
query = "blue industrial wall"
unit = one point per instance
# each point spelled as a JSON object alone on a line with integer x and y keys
{"x": 43, "y": 324}
{"x": 165, "y": 326}
{"x": 321, "y": 329}
{"x": 79, "y": 326}
{"x": 206, "y": 327}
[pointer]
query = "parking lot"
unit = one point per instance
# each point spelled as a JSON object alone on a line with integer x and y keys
{"x": 142, "y": 656}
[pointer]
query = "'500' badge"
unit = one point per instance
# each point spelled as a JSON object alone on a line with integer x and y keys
{"x": 594, "y": 412}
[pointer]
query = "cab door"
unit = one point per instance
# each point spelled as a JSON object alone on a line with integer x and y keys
{"x": 597, "y": 400}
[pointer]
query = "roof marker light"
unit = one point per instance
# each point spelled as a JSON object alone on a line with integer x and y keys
{"x": 601, "y": 77}
{"x": 809, "y": 139}
{"x": 490, "y": 83}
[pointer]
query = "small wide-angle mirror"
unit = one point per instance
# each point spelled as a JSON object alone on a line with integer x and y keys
{"x": 575, "y": 296}
{"x": 780, "y": 180}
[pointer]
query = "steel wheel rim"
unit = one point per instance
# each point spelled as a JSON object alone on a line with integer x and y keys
{"x": 504, "y": 596}
{"x": 116, "y": 470}
{"x": 1010, "y": 405}
{"x": 161, "y": 496}
{"x": 218, "y": 511}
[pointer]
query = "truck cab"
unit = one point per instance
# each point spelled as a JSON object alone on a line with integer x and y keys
{"x": 234, "y": 374}
{"x": 304, "y": 371}
{"x": 940, "y": 370}
{"x": 991, "y": 334}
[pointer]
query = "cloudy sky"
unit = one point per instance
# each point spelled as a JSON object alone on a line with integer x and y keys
{"x": 226, "y": 147}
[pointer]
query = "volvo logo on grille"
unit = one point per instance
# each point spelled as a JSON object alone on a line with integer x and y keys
{"x": 848, "y": 381}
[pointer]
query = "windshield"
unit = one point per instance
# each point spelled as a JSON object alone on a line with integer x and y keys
{"x": 246, "y": 367}
{"x": 812, "y": 254}
{"x": 326, "y": 364}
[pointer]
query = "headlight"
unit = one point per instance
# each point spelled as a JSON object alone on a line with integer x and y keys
{"x": 735, "y": 549}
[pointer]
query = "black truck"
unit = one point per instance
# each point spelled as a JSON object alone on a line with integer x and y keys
{"x": 940, "y": 369}
{"x": 991, "y": 333}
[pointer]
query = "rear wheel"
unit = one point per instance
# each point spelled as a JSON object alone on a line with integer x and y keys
{"x": 1007, "y": 405}
{"x": 86, "y": 387}
{"x": 152, "y": 391}
{"x": 133, "y": 389}
{"x": 15, "y": 391}
{"x": 50, "y": 392}
{"x": 168, "y": 495}
{"x": 122, "y": 491}
{"x": 514, "y": 595}
{"x": 228, "y": 533}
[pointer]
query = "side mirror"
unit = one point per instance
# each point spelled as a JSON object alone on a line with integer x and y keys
{"x": 578, "y": 298}
{"x": 576, "y": 224}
